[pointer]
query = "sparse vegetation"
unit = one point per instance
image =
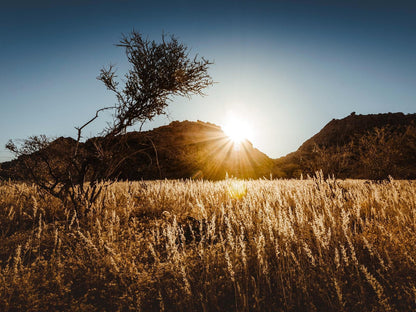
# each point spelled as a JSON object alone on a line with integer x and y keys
{"x": 357, "y": 147}
{"x": 72, "y": 171}
{"x": 283, "y": 245}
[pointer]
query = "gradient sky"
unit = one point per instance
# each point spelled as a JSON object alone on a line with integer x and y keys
{"x": 288, "y": 67}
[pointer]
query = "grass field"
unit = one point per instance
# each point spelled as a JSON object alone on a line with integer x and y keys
{"x": 283, "y": 245}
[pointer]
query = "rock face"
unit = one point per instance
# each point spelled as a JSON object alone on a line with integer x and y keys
{"x": 339, "y": 132}
{"x": 357, "y": 146}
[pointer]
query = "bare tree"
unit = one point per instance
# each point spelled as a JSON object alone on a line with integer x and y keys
{"x": 159, "y": 71}
{"x": 73, "y": 171}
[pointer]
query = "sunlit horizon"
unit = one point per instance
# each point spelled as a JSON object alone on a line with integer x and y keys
{"x": 286, "y": 67}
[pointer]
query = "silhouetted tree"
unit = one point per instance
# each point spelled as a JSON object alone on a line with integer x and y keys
{"x": 159, "y": 71}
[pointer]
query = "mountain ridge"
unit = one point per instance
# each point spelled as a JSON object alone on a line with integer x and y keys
{"x": 370, "y": 146}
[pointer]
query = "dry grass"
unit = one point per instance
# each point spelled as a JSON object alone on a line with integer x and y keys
{"x": 286, "y": 245}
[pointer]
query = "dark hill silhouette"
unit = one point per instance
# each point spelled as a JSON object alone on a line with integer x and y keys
{"x": 179, "y": 150}
{"x": 357, "y": 146}
{"x": 189, "y": 150}
{"x": 342, "y": 131}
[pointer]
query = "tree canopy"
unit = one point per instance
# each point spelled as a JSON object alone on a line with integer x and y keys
{"x": 158, "y": 72}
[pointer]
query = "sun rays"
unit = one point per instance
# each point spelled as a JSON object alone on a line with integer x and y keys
{"x": 212, "y": 154}
{"x": 237, "y": 129}
{"x": 228, "y": 151}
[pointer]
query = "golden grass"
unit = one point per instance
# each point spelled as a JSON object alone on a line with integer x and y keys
{"x": 283, "y": 245}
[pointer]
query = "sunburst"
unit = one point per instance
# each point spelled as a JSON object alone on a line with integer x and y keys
{"x": 237, "y": 129}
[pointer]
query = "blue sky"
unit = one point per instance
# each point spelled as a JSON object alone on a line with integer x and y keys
{"x": 287, "y": 67}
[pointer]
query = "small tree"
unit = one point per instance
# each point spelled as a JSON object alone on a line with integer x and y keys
{"x": 159, "y": 71}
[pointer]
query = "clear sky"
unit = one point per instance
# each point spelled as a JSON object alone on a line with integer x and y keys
{"x": 287, "y": 67}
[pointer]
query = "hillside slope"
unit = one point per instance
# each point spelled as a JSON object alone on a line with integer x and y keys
{"x": 179, "y": 150}
{"x": 358, "y": 146}
{"x": 190, "y": 150}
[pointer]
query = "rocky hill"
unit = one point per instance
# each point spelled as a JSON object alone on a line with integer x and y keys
{"x": 179, "y": 150}
{"x": 191, "y": 150}
{"x": 357, "y": 146}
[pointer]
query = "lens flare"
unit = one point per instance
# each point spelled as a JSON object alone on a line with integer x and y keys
{"x": 236, "y": 189}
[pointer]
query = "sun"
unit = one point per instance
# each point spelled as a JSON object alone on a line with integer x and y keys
{"x": 237, "y": 129}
